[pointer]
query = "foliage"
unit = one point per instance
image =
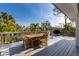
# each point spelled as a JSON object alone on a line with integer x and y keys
{"x": 8, "y": 24}
{"x": 37, "y": 28}
{"x": 46, "y": 26}
{"x": 68, "y": 30}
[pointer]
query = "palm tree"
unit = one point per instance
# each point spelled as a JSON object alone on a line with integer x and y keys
{"x": 34, "y": 27}
{"x": 46, "y": 26}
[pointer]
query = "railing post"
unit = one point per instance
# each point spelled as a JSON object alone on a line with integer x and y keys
{"x": 5, "y": 37}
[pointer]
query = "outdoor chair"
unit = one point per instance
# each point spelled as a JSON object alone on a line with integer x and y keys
{"x": 26, "y": 42}
{"x": 35, "y": 43}
{"x": 43, "y": 40}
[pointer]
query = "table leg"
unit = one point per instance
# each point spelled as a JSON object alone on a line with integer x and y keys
{"x": 32, "y": 43}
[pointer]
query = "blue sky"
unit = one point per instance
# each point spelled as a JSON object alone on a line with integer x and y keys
{"x": 25, "y": 14}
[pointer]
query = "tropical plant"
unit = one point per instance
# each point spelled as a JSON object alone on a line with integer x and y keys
{"x": 70, "y": 30}
{"x": 8, "y": 23}
{"x": 46, "y": 26}
{"x": 34, "y": 27}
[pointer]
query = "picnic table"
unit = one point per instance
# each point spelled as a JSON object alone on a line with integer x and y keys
{"x": 34, "y": 40}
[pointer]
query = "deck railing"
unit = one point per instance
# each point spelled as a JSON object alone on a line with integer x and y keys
{"x": 9, "y": 37}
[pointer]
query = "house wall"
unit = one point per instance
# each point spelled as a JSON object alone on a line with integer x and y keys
{"x": 77, "y": 32}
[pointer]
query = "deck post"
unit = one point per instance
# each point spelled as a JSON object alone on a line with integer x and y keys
{"x": 77, "y": 32}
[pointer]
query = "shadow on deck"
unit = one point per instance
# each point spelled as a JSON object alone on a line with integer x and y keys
{"x": 16, "y": 48}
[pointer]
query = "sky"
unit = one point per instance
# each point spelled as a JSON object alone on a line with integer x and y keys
{"x": 26, "y": 13}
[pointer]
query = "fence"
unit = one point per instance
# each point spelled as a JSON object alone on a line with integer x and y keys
{"x": 9, "y": 37}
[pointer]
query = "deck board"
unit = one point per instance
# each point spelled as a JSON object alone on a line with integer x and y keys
{"x": 66, "y": 49}
{"x": 57, "y": 49}
{"x": 61, "y": 48}
{"x": 48, "y": 50}
{"x": 70, "y": 52}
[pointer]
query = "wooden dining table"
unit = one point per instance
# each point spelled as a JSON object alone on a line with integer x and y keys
{"x": 33, "y": 39}
{"x": 34, "y": 35}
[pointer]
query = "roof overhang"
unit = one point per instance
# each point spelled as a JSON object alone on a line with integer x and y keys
{"x": 69, "y": 9}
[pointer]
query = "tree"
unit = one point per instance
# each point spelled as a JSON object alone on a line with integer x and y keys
{"x": 58, "y": 12}
{"x": 46, "y": 26}
{"x": 70, "y": 30}
{"x": 4, "y": 15}
{"x": 1, "y": 25}
{"x": 20, "y": 28}
{"x": 34, "y": 27}
{"x": 37, "y": 28}
{"x": 7, "y": 22}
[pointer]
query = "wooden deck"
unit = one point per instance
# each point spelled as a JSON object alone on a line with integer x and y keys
{"x": 59, "y": 46}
